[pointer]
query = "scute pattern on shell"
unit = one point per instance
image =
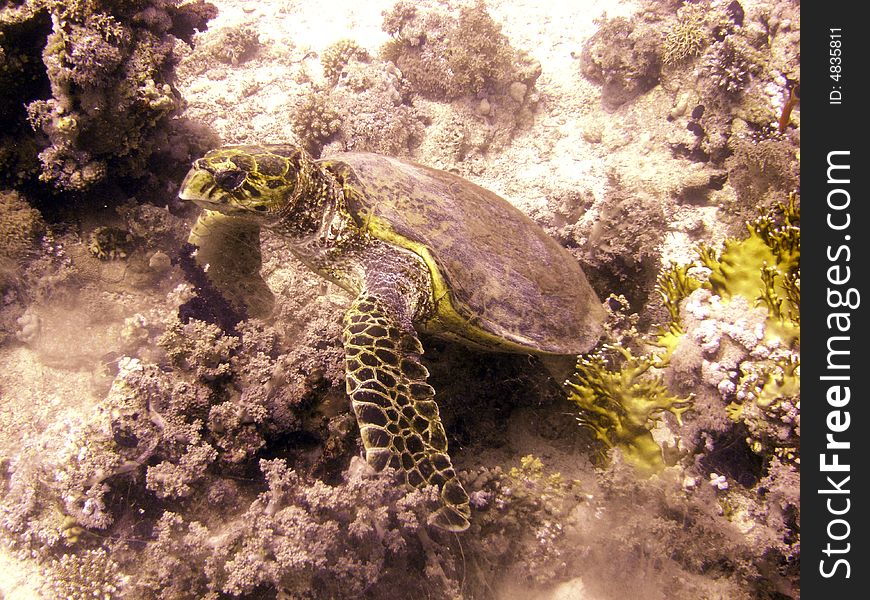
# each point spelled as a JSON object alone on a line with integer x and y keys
{"x": 505, "y": 275}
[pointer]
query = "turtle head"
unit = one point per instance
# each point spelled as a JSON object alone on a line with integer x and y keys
{"x": 263, "y": 183}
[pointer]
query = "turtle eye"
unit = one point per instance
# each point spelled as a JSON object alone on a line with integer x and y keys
{"x": 230, "y": 180}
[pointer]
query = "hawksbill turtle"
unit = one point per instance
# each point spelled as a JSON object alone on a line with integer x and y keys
{"x": 420, "y": 250}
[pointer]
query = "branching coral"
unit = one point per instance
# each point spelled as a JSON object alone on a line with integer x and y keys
{"x": 673, "y": 285}
{"x": 764, "y": 267}
{"x": 617, "y": 401}
{"x": 201, "y": 347}
{"x": 519, "y": 522}
{"x": 361, "y": 108}
{"x": 740, "y": 305}
{"x": 729, "y": 65}
{"x": 296, "y": 536}
{"x": 336, "y": 57}
{"x": 687, "y": 37}
{"x": 314, "y": 121}
{"x": 88, "y": 575}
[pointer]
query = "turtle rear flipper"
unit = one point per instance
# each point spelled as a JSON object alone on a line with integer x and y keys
{"x": 398, "y": 419}
{"x": 231, "y": 248}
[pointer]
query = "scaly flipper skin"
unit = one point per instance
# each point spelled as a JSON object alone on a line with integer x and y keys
{"x": 230, "y": 246}
{"x": 394, "y": 406}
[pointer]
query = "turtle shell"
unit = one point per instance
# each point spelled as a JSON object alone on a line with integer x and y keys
{"x": 504, "y": 275}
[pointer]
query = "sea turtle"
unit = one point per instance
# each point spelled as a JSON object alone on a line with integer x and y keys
{"x": 419, "y": 250}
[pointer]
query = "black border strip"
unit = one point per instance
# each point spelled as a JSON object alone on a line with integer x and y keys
{"x": 835, "y": 243}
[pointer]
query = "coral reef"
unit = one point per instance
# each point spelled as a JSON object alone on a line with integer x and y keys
{"x": 337, "y": 56}
{"x": 88, "y": 575}
{"x": 299, "y": 535}
{"x": 686, "y": 537}
{"x": 20, "y": 228}
{"x": 728, "y": 65}
{"x": 457, "y": 54}
{"x": 104, "y": 102}
{"x": 374, "y": 114}
{"x": 687, "y": 37}
{"x": 620, "y": 246}
{"x": 762, "y": 169}
{"x": 625, "y": 57}
{"x": 445, "y": 56}
{"x": 109, "y": 243}
{"x": 519, "y": 529}
{"x": 742, "y": 74}
{"x": 361, "y": 106}
{"x": 314, "y": 121}
{"x": 731, "y": 339}
{"x": 185, "y": 449}
{"x": 234, "y": 45}
{"x": 761, "y": 378}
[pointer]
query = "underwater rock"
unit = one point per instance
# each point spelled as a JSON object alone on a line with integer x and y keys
{"x": 234, "y": 45}
{"x": 762, "y": 170}
{"x": 20, "y": 227}
{"x": 624, "y": 57}
{"x": 621, "y": 246}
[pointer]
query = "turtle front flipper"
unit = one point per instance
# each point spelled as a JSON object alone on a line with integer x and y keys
{"x": 230, "y": 246}
{"x": 398, "y": 419}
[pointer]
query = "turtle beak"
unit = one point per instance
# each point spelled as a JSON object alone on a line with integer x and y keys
{"x": 198, "y": 186}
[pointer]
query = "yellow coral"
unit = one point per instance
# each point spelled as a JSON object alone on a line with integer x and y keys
{"x": 617, "y": 405}
{"x": 673, "y": 285}
{"x": 764, "y": 268}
